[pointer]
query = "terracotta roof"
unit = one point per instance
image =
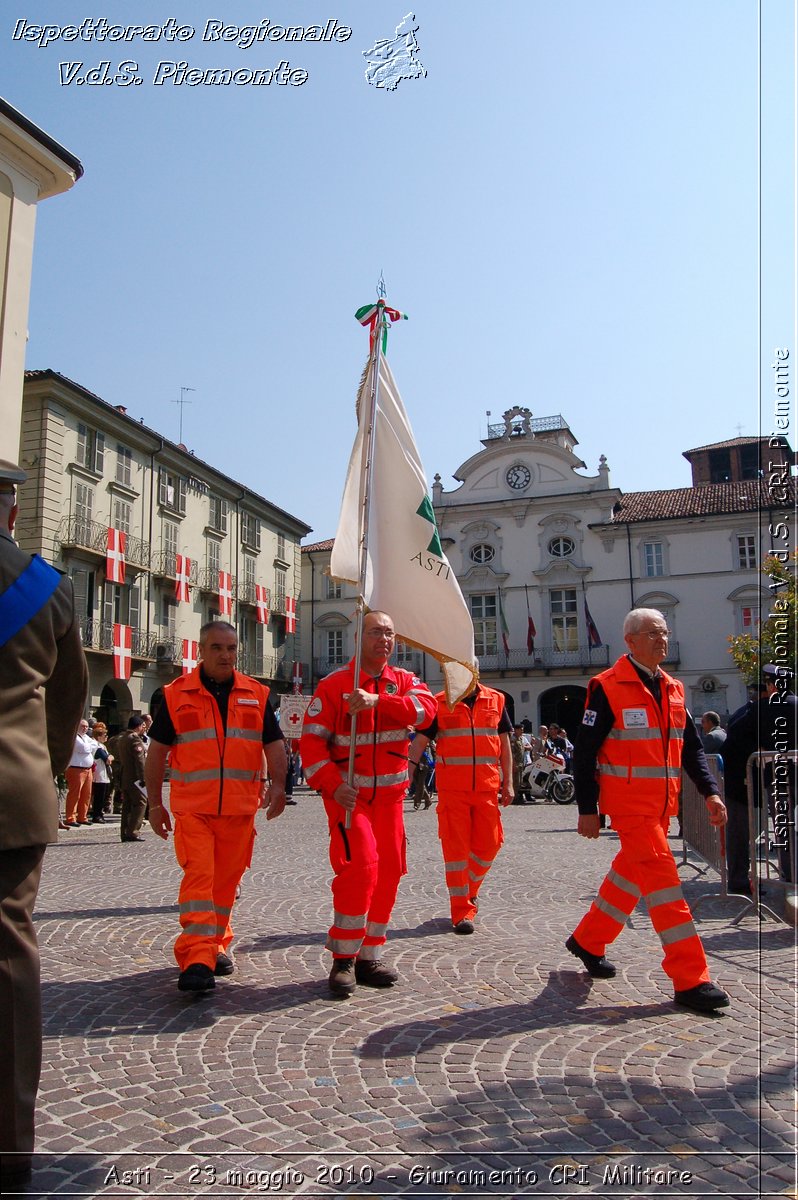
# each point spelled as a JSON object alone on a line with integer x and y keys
{"x": 738, "y": 441}
{"x": 712, "y": 499}
{"x": 325, "y": 545}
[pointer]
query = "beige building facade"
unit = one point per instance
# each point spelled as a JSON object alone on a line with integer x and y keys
{"x": 93, "y": 468}
{"x": 33, "y": 167}
{"x": 551, "y": 557}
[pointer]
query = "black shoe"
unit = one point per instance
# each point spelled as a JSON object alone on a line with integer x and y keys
{"x": 224, "y": 965}
{"x": 98, "y": 820}
{"x": 596, "y": 966}
{"x": 464, "y": 926}
{"x": 290, "y": 801}
{"x": 71, "y": 824}
{"x": 374, "y": 974}
{"x": 705, "y": 997}
{"x": 342, "y": 977}
{"x": 133, "y": 838}
{"x": 196, "y": 978}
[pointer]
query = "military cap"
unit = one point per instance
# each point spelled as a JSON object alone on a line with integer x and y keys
{"x": 10, "y": 475}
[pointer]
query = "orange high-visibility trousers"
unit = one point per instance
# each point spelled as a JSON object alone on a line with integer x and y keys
{"x": 214, "y": 853}
{"x": 645, "y": 867}
{"x": 470, "y": 830}
{"x": 79, "y": 781}
{"x": 368, "y": 860}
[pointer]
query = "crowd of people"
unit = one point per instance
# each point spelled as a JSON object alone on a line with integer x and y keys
{"x": 365, "y": 741}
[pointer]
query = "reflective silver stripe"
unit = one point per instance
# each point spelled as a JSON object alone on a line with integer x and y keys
{"x": 320, "y": 730}
{"x": 469, "y": 760}
{"x": 421, "y": 716}
{"x": 649, "y": 733}
{"x": 369, "y": 953}
{"x": 481, "y": 862}
{"x": 203, "y": 930}
{"x": 637, "y": 772}
{"x": 663, "y": 896}
{"x": 319, "y": 766}
{"x": 677, "y": 933}
{"x": 196, "y": 735}
{"x": 455, "y": 866}
{"x": 625, "y": 885}
{"x": 247, "y": 735}
{"x": 203, "y": 906}
{"x": 343, "y": 921}
{"x": 247, "y": 776}
{"x": 366, "y": 739}
{"x": 367, "y": 781}
{"x": 611, "y": 910}
{"x": 458, "y": 891}
{"x": 193, "y": 776}
{"x": 464, "y": 731}
{"x": 347, "y": 948}
{"x": 472, "y": 875}
{"x": 373, "y": 929}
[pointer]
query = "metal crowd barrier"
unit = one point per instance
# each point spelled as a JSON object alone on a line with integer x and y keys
{"x": 701, "y": 838}
{"x": 770, "y": 780}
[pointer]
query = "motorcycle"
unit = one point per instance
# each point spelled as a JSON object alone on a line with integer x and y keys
{"x": 544, "y": 779}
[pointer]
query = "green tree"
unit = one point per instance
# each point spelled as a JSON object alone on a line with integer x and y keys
{"x": 775, "y": 641}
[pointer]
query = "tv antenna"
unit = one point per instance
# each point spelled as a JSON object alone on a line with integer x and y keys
{"x": 181, "y": 402}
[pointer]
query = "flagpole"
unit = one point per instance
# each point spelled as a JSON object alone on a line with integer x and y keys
{"x": 368, "y": 476}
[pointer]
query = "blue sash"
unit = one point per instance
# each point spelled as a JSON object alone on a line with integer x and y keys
{"x": 29, "y": 593}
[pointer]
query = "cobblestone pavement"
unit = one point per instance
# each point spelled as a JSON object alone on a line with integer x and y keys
{"x": 495, "y": 1066}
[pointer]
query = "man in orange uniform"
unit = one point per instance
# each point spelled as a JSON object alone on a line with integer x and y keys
{"x": 368, "y": 857}
{"x": 474, "y": 775}
{"x": 218, "y": 726}
{"x": 635, "y": 737}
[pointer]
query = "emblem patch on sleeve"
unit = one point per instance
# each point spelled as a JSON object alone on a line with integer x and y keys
{"x": 314, "y": 708}
{"x": 589, "y": 718}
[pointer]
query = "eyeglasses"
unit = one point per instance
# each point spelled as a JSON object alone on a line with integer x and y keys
{"x": 655, "y": 634}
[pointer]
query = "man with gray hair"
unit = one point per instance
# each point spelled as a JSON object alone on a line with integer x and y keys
{"x": 43, "y": 680}
{"x": 636, "y": 736}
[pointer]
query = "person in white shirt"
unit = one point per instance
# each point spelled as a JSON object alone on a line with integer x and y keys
{"x": 79, "y": 777}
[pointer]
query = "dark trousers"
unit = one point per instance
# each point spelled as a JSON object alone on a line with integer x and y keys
{"x": 99, "y": 795}
{"x": 134, "y": 806}
{"x": 20, "y": 999}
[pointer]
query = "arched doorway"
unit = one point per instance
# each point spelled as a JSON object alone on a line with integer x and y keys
{"x": 116, "y": 706}
{"x": 565, "y": 705}
{"x": 509, "y": 704}
{"x": 156, "y": 700}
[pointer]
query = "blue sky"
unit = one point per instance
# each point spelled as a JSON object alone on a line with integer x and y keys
{"x": 567, "y": 207}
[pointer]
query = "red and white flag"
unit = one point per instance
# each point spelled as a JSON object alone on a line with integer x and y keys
{"x": 290, "y": 614}
{"x": 297, "y": 678}
{"x": 123, "y": 659}
{"x": 262, "y": 602}
{"x": 182, "y": 572}
{"x": 115, "y": 559}
{"x": 225, "y": 594}
{"x": 190, "y": 655}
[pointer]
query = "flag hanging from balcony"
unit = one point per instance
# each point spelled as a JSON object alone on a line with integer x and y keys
{"x": 505, "y": 626}
{"x": 115, "y": 558}
{"x": 262, "y": 604}
{"x": 182, "y": 573}
{"x": 407, "y": 573}
{"x": 593, "y": 635}
{"x": 290, "y": 614}
{"x": 190, "y": 655}
{"x": 123, "y": 661}
{"x": 297, "y": 678}
{"x": 531, "y": 632}
{"x": 225, "y": 594}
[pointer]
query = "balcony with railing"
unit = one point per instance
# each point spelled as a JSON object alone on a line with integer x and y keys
{"x": 164, "y": 566}
{"x": 247, "y": 595}
{"x": 546, "y": 658}
{"x": 76, "y": 533}
{"x": 98, "y": 637}
{"x": 208, "y": 580}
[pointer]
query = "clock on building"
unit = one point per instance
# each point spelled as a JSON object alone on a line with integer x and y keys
{"x": 518, "y": 476}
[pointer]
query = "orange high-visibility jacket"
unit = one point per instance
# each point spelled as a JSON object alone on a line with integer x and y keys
{"x": 469, "y": 744}
{"x": 640, "y": 761}
{"x": 214, "y": 772}
{"x": 381, "y": 737}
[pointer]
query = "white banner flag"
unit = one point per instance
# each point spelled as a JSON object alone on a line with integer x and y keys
{"x": 408, "y": 575}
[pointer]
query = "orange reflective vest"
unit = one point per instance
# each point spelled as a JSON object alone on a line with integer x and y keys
{"x": 381, "y": 733}
{"x": 213, "y": 771}
{"x": 640, "y": 761}
{"x": 468, "y": 743}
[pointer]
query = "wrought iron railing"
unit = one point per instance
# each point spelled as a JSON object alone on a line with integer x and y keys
{"x": 546, "y": 658}
{"x": 536, "y": 425}
{"x": 99, "y": 636}
{"x": 246, "y": 594}
{"x": 164, "y": 565}
{"x": 91, "y": 535}
{"x": 208, "y": 580}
